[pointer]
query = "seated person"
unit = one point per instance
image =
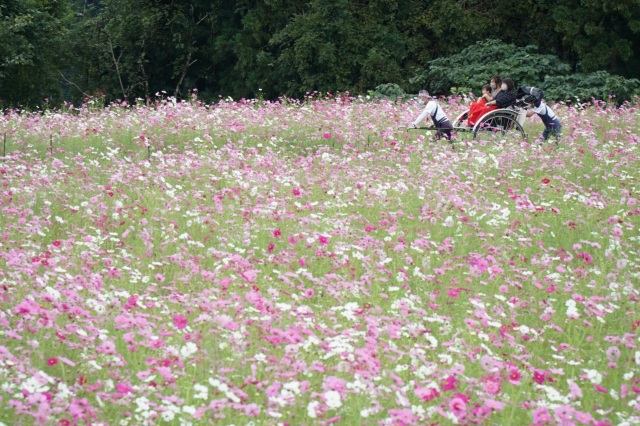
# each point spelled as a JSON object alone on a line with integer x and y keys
{"x": 507, "y": 95}
{"x": 480, "y": 108}
{"x": 495, "y": 83}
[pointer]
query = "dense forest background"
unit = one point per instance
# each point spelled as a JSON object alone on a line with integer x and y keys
{"x": 71, "y": 50}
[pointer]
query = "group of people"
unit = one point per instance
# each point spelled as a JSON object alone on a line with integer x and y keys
{"x": 499, "y": 93}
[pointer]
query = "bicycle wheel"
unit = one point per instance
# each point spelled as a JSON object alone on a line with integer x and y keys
{"x": 499, "y": 125}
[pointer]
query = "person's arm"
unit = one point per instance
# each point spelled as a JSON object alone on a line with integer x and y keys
{"x": 494, "y": 99}
{"x": 425, "y": 112}
{"x": 534, "y": 110}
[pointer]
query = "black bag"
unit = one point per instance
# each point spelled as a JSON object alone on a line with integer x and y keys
{"x": 531, "y": 94}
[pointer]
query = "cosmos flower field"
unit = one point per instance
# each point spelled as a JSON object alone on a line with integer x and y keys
{"x": 311, "y": 263}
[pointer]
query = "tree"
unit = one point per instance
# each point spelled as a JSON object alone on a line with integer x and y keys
{"x": 32, "y": 33}
{"x": 132, "y": 49}
{"x": 338, "y": 45}
{"x": 600, "y": 34}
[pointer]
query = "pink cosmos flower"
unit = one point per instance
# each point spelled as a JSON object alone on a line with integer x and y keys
{"x": 52, "y": 361}
{"x": 106, "y": 347}
{"x": 252, "y": 410}
{"x": 538, "y": 377}
{"x": 574, "y": 390}
{"x": 402, "y": 417}
{"x": 326, "y": 135}
{"x": 323, "y": 240}
{"x": 584, "y": 418}
{"x": 334, "y": 383}
{"x": 271, "y": 247}
{"x": 458, "y": 407}
{"x": 541, "y": 416}
{"x": 492, "y": 387}
{"x": 426, "y": 394}
{"x": 450, "y": 383}
{"x": 277, "y": 233}
{"x": 454, "y": 293}
{"x": 600, "y": 388}
{"x": 180, "y": 322}
{"x": 493, "y": 404}
{"x": 586, "y": 257}
{"x": 613, "y": 354}
{"x": 250, "y": 275}
{"x": 124, "y": 388}
{"x": 482, "y": 412}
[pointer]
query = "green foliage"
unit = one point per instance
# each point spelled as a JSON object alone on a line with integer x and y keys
{"x": 474, "y": 66}
{"x": 338, "y": 46}
{"x": 129, "y": 49}
{"x": 31, "y": 50}
{"x": 584, "y": 87}
{"x": 74, "y": 50}
{"x": 600, "y": 34}
{"x": 388, "y": 91}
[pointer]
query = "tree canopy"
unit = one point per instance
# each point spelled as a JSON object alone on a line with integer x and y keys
{"x": 70, "y": 50}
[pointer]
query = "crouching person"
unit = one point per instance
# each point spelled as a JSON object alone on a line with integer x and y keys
{"x": 432, "y": 108}
{"x": 552, "y": 125}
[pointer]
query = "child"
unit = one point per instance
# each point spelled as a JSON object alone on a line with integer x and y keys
{"x": 552, "y": 125}
{"x": 440, "y": 120}
{"x": 480, "y": 108}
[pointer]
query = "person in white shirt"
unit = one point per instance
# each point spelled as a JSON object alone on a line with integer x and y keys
{"x": 432, "y": 108}
{"x": 552, "y": 126}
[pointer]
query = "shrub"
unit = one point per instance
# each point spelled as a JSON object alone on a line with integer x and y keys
{"x": 388, "y": 91}
{"x": 474, "y": 66}
{"x": 584, "y": 87}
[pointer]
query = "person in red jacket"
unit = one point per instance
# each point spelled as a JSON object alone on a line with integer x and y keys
{"x": 479, "y": 107}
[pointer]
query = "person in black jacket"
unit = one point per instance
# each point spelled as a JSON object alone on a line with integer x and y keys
{"x": 506, "y": 97}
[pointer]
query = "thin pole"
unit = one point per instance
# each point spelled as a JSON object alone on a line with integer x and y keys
{"x": 4, "y": 145}
{"x": 51, "y": 144}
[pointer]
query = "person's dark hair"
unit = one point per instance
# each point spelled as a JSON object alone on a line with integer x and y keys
{"x": 487, "y": 88}
{"x": 497, "y": 79}
{"x": 510, "y": 84}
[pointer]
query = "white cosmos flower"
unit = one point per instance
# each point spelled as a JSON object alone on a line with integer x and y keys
{"x": 333, "y": 399}
{"x": 594, "y": 376}
{"x": 188, "y": 349}
{"x": 202, "y": 392}
{"x": 311, "y": 409}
